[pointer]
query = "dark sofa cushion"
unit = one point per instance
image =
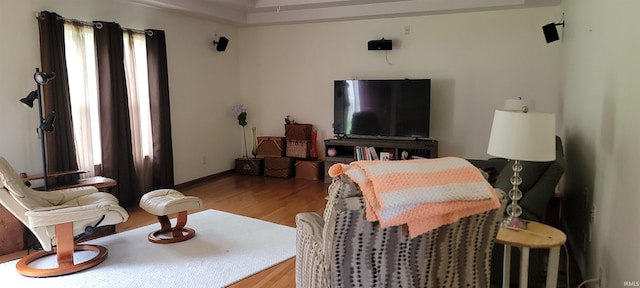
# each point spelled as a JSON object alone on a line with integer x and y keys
{"x": 492, "y": 167}
{"x": 530, "y": 174}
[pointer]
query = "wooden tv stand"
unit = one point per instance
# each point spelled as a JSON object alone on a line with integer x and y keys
{"x": 345, "y": 149}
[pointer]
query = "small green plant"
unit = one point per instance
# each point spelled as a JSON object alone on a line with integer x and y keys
{"x": 241, "y": 113}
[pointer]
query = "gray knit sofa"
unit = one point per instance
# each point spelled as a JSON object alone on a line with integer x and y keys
{"x": 342, "y": 249}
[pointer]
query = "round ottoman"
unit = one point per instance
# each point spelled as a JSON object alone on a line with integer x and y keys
{"x": 163, "y": 202}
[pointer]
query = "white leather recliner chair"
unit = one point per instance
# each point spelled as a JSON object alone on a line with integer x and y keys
{"x": 56, "y": 218}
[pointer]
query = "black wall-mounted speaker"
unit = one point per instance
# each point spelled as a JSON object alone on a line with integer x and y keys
{"x": 381, "y": 44}
{"x": 221, "y": 44}
{"x": 550, "y": 32}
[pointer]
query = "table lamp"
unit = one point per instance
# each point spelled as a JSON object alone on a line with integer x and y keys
{"x": 521, "y": 136}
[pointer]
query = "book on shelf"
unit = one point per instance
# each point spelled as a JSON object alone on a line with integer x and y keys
{"x": 373, "y": 153}
{"x": 366, "y": 153}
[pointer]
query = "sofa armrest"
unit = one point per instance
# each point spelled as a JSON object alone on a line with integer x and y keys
{"x": 58, "y": 197}
{"x": 491, "y": 166}
{"x": 497, "y": 163}
{"x": 310, "y": 224}
{"x": 311, "y": 268}
{"x": 64, "y": 214}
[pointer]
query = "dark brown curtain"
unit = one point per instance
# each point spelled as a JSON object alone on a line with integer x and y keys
{"x": 117, "y": 159}
{"x": 61, "y": 149}
{"x": 162, "y": 170}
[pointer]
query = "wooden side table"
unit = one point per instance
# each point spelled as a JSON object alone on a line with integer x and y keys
{"x": 537, "y": 236}
{"x": 102, "y": 183}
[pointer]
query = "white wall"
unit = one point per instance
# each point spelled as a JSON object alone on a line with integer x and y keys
{"x": 601, "y": 100}
{"x": 475, "y": 61}
{"x": 202, "y": 82}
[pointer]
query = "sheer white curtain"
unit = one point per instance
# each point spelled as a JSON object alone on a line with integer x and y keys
{"x": 81, "y": 68}
{"x": 135, "y": 58}
{"x": 83, "y": 87}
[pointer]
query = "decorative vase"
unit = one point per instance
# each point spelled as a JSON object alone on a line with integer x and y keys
{"x": 254, "y": 151}
{"x": 314, "y": 148}
{"x": 244, "y": 143}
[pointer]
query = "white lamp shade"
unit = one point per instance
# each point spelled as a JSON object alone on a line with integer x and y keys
{"x": 523, "y": 136}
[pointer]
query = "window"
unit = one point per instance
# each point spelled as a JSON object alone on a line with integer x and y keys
{"x": 83, "y": 88}
{"x": 135, "y": 65}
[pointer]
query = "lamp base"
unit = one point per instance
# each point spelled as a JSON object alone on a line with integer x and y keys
{"x": 514, "y": 223}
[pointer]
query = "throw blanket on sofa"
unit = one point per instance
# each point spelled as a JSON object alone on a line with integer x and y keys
{"x": 424, "y": 194}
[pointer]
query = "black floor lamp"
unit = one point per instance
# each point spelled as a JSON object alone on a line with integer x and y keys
{"x": 46, "y": 124}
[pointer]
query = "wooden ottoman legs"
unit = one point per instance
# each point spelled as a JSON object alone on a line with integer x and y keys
{"x": 177, "y": 232}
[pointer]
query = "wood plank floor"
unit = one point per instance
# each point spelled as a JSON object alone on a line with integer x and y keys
{"x": 271, "y": 199}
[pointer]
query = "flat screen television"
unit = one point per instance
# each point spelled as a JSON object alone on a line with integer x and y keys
{"x": 382, "y": 108}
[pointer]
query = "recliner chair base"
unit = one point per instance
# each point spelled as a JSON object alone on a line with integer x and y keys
{"x": 64, "y": 251}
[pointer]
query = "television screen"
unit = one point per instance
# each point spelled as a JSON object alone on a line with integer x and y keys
{"x": 382, "y": 108}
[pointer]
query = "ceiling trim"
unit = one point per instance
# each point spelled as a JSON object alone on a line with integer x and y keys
{"x": 271, "y": 12}
{"x": 376, "y": 10}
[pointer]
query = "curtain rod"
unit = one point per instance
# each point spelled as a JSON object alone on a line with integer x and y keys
{"x": 97, "y": 24}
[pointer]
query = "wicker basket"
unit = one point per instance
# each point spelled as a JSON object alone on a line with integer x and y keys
{"x": 297, "y": 131}
{"x": 278, "y": 167}
{"x": 249, "y": 166}
{"x": 271, "y": 146}
{"x": 298, "y": 148}
{"x": 310, "y": 169}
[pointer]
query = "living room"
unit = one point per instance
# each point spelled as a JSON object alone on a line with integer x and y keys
{"x": 476, "y": 60}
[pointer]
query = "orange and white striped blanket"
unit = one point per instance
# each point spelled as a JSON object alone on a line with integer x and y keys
{"x": 423, "y": 193}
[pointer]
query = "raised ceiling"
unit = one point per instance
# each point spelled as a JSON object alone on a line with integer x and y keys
{"x": 269, "y": 12}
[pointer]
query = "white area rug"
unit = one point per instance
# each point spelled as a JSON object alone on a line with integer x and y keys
{"x": 226, "y": 249}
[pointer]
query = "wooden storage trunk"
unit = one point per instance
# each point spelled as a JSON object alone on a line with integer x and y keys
{"x": 278, "y": 167}
{"x": 310, "y": 169}
{"x": 12, "y": 231}
{"x": 271, "y": 146}
{"x": 249, "y": 166}
{"x": 297, "y": 131}
{"x": 298, "y": 148}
